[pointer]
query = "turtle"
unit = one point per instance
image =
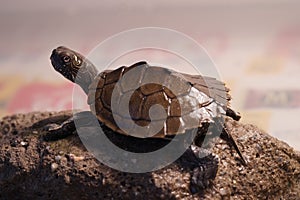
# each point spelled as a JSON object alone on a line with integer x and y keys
{"x": 189, "y": 101}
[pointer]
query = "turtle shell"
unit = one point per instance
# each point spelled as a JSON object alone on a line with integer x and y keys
{"x": 127, "y": 94}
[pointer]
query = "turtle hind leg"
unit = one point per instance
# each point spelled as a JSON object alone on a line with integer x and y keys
{"x": 205, "y": 170}
{"x": 66, "y": 128}
{"x": 202, "y": 166}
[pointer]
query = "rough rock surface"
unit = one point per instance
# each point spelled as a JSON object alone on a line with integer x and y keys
{"x": 31, "y": 168}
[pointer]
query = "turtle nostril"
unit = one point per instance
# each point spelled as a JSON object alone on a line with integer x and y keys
{"x": 53, "y": 55}
{"x": 54, "y": 51}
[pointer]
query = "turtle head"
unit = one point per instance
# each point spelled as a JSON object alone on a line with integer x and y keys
{"x": 73, "y": 66}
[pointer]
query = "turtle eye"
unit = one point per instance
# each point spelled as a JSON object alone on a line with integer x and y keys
{"x": 66, "y": 59}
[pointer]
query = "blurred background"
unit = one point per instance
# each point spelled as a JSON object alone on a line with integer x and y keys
{"x": 255, "y": 46}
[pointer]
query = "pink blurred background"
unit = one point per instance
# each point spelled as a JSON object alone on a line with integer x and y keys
{"x": 255, "y": 45}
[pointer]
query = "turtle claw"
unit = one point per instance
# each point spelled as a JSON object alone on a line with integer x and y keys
{"x": 205, "y": 171}
{"x": 51, "y": 127}
{"x": 202, "y": 166}
{"x": 203, "y": 174}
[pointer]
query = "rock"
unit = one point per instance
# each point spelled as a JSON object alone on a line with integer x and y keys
{"x": 31, "y": 168}
{"x": 57, "y": 159}
{"x": 54, "y": 167}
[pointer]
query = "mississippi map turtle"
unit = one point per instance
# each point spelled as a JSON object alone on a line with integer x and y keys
{"x": 190, "y": 102}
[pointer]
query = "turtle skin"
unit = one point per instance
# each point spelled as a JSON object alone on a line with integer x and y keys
{"x": 190, "y": 102}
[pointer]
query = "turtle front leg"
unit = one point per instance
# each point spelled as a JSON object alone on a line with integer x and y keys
{"x": 66, "y": 128}
{"x": 60, "y": 131}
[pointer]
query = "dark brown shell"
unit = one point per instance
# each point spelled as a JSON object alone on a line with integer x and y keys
{"x": 188, "y": 100}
